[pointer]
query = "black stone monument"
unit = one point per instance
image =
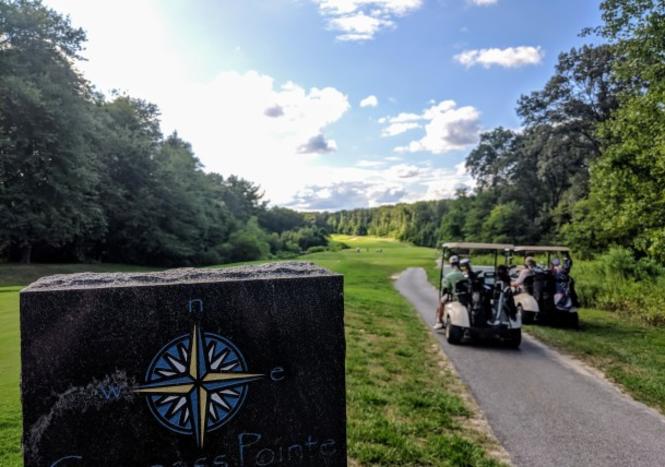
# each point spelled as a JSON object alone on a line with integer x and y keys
{"x": 188, "y": 367}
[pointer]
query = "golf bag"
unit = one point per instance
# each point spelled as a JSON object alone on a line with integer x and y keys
{"x": 564, "y": 296}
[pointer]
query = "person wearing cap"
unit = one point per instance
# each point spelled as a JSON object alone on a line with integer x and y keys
{"x": 526, "y": 272}
{"x": 555, "y": 265}
{"x": 447, "y": 287}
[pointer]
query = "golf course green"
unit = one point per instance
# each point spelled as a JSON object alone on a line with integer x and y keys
{"x": 404, "y": 407}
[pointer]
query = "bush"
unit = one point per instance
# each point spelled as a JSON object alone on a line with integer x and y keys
{"x": 616, "y": 281}
{"x": 249, "y": 243}
{"x": 618, "y": 262}
{"x": 284, "y": 254}
{"x": 337, "y": 246}
{"x": 316, "y": 249}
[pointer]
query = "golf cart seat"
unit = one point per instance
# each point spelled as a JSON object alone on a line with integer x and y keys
{"x": 528, "y": 285}
{"x": 539, "y": 285}
{"x": 463, "y": 292}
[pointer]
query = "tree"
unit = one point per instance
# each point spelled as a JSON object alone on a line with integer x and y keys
{"x": 490, "y": 162}
{"x": 505, "y": 224}
{"x": 628, "y": 181}
{"x": 129, "y": 144}
{"x": 583, "y": 92}
{"x": 85, "y": 177}
{"x": 48, "y": 171}
{"x": 278, "y": 219}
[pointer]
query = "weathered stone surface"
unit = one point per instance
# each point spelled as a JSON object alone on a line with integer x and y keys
{"x": 123, "y": 369}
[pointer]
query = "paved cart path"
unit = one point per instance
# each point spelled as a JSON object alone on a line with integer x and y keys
{"x": 544, "y": 408}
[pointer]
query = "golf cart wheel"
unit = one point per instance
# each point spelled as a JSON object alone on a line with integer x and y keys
{"x": 527, "y": 316}
{"x": 454, "y": 334}
{"x": 514, "y": 338}
{"x": 574, "y": 321}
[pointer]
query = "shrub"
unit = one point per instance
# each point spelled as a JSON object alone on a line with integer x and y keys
{"x": 337, "y": 246}
{"x": 616, "y": 281}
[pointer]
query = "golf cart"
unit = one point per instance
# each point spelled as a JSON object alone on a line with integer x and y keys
{"x": 546, "y": 295}
{"x": 481, "y": 305}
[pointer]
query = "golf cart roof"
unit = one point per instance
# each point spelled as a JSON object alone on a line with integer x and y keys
{"x": 523, "y": 248}
{"x": 477, "y": 246}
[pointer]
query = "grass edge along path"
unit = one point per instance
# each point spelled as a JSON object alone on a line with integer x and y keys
{"x": 405, "y": 403}
{"x": 405, "y": 406}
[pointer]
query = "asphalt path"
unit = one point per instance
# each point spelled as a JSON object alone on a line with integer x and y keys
{"x": 547, "y": 409}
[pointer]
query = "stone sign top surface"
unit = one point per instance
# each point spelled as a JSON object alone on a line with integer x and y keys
{"x": 90, "y": 280}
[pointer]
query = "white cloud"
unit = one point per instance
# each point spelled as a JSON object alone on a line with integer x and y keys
{"x": 511, "y": 57}
{"x": 395, "y": 184}
{"x": 398, "y": 128}
{"x": 318, "y": 144}
{"x": 406, "y": 171}
{"x": 359, "y": 26}
{"x": 369, "y": 101}
{"x": 274, "y": 111}
{"x": 403, "y": 117}
{"x": 484, "y": 2}
{"x": 226, "y": 120}
{"x": 401, "y": 123}
{"x": 461, "y": 170}
{"x": 246, "y": 123}
{"x": 369, "y": 164}
{"x": 447, "y": 128}
{"x": 360, "y": 20}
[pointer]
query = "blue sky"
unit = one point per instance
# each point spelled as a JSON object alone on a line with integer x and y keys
{"x": 271, "y": 90}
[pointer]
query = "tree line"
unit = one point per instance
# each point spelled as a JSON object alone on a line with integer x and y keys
{"x": 86, "y": 177}
{"x": 587, "y": 166}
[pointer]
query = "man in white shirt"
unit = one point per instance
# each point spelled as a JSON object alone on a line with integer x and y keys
{"x": 526, "y": 272}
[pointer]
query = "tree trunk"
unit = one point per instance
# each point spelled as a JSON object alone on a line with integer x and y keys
{"x": 26, "y": 254}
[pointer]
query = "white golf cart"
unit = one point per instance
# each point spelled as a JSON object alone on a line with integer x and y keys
{"x": 537, "y": 299}
{"x": 481, "y": 306}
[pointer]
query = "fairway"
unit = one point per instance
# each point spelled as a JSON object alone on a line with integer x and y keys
{"x": 402, "y": 407}
{"x": 401, "y": 403}
{"x": 10, "y": 406}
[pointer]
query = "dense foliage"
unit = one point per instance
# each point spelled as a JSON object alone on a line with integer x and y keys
{"x": 588, "y": 166}
{"x": 83, "y": 177}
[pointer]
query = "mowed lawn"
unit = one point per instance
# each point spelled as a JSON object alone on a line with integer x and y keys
{"x": 403, "y": 408}
{"x": 402, "y": 403}
{"x": 10, "y": 406}
{"x": 12, "y": 278}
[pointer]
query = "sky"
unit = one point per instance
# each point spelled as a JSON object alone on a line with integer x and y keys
{"x": 331, "y": 104}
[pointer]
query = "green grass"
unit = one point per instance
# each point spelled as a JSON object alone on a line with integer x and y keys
{"x": 403, "y": 406}
{"x": 628, "y": 351}
{"x": 12, "y": 278}
{"x": 10, "y": 406}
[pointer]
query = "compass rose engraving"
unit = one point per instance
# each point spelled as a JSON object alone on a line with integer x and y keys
{"x": 197, "y": 383}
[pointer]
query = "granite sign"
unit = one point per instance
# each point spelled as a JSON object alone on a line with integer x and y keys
{"x": 235, "y": 367}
